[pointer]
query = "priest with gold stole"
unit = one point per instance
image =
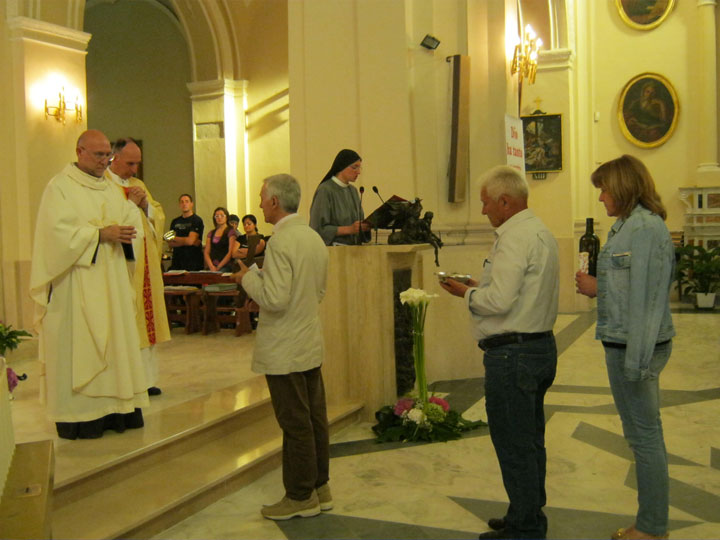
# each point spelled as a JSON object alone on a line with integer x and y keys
{"x": 148, "y": 282}
{"x": 92, "y": 376}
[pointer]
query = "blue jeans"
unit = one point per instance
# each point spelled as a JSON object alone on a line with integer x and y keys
{"x": 516, "y": 379}
{"x": 638, "y": 403}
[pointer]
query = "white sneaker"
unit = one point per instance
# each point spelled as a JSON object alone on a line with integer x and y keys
{"x": 289, "y": 508}
{"x": 325, "y": 497}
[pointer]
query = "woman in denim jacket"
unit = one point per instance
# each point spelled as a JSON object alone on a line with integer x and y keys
{"x": 635, "y": 272}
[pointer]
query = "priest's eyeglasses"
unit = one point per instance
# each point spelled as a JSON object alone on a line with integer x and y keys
{"x": 97, "y": 155}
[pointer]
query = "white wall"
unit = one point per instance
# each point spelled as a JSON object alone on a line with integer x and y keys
{"x": 619, "y": 53}
{"x": 33, "y": 53}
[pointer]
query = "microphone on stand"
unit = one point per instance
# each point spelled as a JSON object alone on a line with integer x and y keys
{"x": 375, "y": 189}
{"x": 358, "y": 235}
{"x": 362, "y": 191}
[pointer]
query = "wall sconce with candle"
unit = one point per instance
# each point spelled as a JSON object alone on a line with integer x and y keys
{"x": 525, "y": 60}
{"x": 60, "y": 111}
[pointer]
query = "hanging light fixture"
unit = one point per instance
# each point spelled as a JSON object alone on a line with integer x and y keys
{"x": 525, "y": 60}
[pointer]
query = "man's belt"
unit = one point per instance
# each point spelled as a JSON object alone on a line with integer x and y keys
{"x": 613, "y": 345}
{"x": 499, "y": 340}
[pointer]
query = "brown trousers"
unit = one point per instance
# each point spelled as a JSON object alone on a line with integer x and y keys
{"x": 299, "y": 403}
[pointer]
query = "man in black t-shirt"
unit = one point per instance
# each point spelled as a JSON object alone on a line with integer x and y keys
{"x": 187, "y": 244}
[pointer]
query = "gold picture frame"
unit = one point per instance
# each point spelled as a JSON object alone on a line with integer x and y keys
{"x": 644, "y": 14}
{"x": 648, "y": 110}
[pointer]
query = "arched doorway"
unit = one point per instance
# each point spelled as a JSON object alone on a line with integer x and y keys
{"x": 138, "y": 67}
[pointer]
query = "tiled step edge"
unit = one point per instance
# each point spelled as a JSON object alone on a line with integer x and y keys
{"x": 89, "y": 485}
{"x": 80, "y": 460}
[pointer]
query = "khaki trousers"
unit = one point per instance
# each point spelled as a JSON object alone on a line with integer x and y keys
{"x": 299, "y": 403}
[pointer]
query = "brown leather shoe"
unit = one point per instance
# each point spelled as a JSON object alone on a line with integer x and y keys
{"x": 631, "y": 533}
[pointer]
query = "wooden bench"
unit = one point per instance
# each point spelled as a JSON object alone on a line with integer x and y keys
{"x": 236, "y": 312}
{"x": 183, "y": 306}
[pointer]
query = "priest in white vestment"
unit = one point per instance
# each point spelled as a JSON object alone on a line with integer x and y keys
{"x": 80, "y": 281}
{"x": 151, "y": 316}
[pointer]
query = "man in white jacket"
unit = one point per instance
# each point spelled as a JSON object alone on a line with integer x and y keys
{"x": 289, "y": 346}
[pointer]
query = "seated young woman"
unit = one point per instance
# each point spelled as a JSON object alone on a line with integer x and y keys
{"x": 249, "y": 223}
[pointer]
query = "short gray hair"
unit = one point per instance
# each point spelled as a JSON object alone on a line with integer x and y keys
{"x": 286, "y": 189}
{"x": 505, "y": 180}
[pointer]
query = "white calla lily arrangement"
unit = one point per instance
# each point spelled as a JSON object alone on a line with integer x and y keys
{"x": 420, "y": 417}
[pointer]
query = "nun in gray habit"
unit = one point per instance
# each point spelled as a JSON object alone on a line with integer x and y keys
{"x": 336, "y": 213}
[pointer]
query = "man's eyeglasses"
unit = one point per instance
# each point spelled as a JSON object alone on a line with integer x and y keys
{"x": 97, "y": 155}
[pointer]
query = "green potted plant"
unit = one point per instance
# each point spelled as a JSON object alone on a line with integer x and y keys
{"x": 699, "y": 273}
{"x": 9, "y": 340}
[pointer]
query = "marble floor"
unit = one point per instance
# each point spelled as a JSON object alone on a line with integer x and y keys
{"x": 449, "y": 490}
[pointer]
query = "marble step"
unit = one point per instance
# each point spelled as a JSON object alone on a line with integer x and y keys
{"x": 81, "y": 459}
{"x": 185, "y": 458}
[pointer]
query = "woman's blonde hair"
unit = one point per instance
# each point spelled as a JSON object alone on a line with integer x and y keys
{"x": 629, "y": 183}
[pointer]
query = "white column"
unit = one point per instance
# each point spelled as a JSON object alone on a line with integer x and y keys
{"x": 219, "y": 146}
{"x": 708, "y": 168}
{"x": 236, "y": 158}
{"x": 352, "y": 94}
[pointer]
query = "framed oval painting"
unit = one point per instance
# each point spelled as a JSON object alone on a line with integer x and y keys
{"x": 644, "y": 14}
{"x": 648, "y": 110}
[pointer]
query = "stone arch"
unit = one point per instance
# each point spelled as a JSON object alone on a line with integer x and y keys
{"x": 213, "y": 50}
{"x": 207, "y": 26}
{"x": 212, "y": 43}
{"x": 211, "y": 30}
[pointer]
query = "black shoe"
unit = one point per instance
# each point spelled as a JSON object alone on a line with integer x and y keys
{"x": 492, "y": 534}
{"x": 508, "y": 533}
{"x": 502, "y": 533}
{"x": 154, "y": 391}
{"x": 496, "y": 524}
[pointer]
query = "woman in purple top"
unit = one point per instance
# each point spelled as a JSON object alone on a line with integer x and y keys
{"x": 220, "y": 243}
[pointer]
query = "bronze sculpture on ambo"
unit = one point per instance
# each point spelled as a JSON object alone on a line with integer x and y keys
{"x": 403, "y": 218}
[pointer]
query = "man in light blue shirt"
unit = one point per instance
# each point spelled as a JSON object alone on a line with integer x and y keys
{"x": 513, "y": 308}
